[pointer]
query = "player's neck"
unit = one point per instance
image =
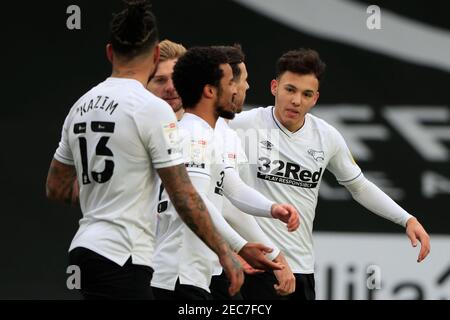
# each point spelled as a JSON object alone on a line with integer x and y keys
{"x": 179, "y": 114}
{"x": 131, "y": 73}
{"x": 139, "y": 69}
{"x": 295, "y": 127}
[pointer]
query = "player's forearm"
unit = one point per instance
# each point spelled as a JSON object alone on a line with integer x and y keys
{"x": 375, "y": 200}
{"x": 244, "y": 197}
{"x": 247, "y": 227}
{"x": 233, "y": 238}
{"x": 61, "y": 183}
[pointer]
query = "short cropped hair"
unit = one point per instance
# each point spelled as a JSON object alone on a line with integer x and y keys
{"x": 301, "y": 61}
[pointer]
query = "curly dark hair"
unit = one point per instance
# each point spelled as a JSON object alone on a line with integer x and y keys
{"x": 134, "y": 30}
{"x": 302, "y": 61}
{"x": 198, "y": 67}
{"x": 235, "y": 57}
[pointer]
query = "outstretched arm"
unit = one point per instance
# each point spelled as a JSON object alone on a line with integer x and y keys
{"x": 348, "y": 173}
{"x": 253, "y": 202}
{"x": 375, "y": 200}
{"x": 415, "y": 232}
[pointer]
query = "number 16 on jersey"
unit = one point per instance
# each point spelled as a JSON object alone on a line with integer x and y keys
{"x": 100, "y": 150}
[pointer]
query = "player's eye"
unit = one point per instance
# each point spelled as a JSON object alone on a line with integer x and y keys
{"x": 160, "y": 80}
{"x": 290, "y": 90}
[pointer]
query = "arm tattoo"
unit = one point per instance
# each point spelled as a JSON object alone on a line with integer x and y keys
{"x": 60, "y": 182}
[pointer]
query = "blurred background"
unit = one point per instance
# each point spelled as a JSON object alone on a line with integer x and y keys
{"x": 386, "y": 89}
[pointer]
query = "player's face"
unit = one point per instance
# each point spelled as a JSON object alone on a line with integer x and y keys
{"x": 162, "y": 86}
{"x": 226, "y": 94}
{"x": 295, "y": 95}
{"x": 242, "y": 87}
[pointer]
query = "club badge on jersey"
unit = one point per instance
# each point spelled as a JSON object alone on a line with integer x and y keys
{"x": 197, "y": 154}
{"x": 171, "y": 136}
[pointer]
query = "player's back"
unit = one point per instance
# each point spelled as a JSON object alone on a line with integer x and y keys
{"x": 110, "y": 134}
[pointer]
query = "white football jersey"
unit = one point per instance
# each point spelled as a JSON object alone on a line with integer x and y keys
{"x": 116, "y": 135}
{"x": 288, "y": 168}
{"x": 179, "y": 253}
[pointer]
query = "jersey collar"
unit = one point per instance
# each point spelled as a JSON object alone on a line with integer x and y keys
{"x": 124, "y": 80}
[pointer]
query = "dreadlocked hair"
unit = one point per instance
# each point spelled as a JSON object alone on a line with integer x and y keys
{"x": 134, "y": 30}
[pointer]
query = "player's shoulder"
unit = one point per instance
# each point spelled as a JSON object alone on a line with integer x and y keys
{"x": 152, "y": 107}
{"x": 321, "y": 125}
{"x": 146, "y": 99}
{"x": 255, "y": 112}
{"x": 190, "y": 119}
{"x": 322, "y": 128}
{"x": 194, "y": 127}
{"x": 223, "y": 130}
{"x": 133, "y": 94}
{"x": 248, "y": 117}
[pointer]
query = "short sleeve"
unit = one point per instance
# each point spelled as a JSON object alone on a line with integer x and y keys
{"x": 158, "y": 129}
{"x": 63, "y": 153}
{"x": 244, "y": 120}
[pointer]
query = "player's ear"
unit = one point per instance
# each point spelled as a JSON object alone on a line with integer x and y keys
{"x": 156, "y": 54}
{"x": 109, "y": 52}
{"x": 274, "y": 87}
{"x": 209, "y": 91}
{"x": 316, "y": 97}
